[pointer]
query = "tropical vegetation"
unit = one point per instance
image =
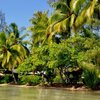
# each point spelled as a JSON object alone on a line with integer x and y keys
{"x": 64, "y": 47}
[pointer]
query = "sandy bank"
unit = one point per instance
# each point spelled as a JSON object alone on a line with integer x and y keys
{"x": 72, "y": 88}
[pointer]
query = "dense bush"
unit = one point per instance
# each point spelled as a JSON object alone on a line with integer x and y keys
{"x": 57, "y": 79}
{"x": 7, "y": 79}
{"x": 91, "y": 78}
{"x": 30, "y": 80}
{"x": 26, "y": 66}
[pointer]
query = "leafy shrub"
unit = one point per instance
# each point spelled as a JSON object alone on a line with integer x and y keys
{"x": 26, "y": 66}
{"x": 57, "y": 79}
{"x": 91, "y": 78}
{"x": 30, "y": 80}
{"x": 7, "y": 79}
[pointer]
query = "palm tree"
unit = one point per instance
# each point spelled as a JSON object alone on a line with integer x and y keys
{"x": 10, "y": 54}
{"x": 17, "y": 37}
{"x": 13, "y": 48}
{"x": 68, "y": 16}
{"x": 17, "y": 34}
{"x": 38, "y": 28}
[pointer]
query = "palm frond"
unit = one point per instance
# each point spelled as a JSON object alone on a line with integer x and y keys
{"x": 56, "y": 16}
{"x": 2, "y": 38}
{"x": 76, "y": 5}
{"x": 61, "y": 6}
{"x": 4, "y": 60}
{"x": 87, "y": 12}
{"x": 8, "y": 56}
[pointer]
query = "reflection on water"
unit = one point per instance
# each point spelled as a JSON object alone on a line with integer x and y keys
{"x": 22, "y": 93}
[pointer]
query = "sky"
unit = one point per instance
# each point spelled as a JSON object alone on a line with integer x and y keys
{"x": 20, "y": 11}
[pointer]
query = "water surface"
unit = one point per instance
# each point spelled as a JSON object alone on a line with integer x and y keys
{"x": 30, "y": 93}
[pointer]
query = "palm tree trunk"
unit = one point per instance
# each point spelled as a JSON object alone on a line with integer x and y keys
{"x": 15, "y": 81}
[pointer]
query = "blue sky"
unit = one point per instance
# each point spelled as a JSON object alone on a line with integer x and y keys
{"x": 20, "y": 11}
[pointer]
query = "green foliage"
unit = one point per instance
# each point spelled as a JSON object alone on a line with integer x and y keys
{"x": 24, "y": 70}
{"x": 26, "y": 66}
{"x": 57, "y": 79}
{"x": 41, "y": 57}
{"x": 39, "y": 24}
{"x": 91, "y": 53}
{"x": 68, "y": 16}
{"x": 89, "y": 61}
{"x": 6, "y": 79}
{"x": 12, "y": 50}
{"x": 63, "y": 49}
{"x": 65, "y": 53}
{"x": 59, "y": 56}
{"x": 10, "y": 54}
{"x": 91, "y": 78}
{"x": 30, "y": 79}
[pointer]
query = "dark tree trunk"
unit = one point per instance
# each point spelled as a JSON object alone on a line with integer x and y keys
{"x": 61, "y": 75}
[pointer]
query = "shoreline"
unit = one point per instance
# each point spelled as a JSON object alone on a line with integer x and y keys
{"x": 72, "y": 88}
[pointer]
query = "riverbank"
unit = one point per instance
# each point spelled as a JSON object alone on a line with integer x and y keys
{"x": 70, "y": 88}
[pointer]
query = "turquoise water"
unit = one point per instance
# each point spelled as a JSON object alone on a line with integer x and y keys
{"x": 30, "y": 93}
